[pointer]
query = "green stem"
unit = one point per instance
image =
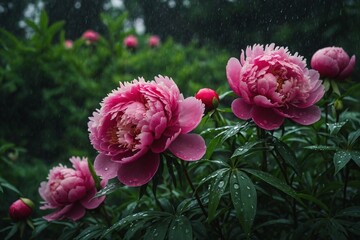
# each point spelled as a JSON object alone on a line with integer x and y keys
{"x": 261, "y": 136}
{"x": 216, "y": 223}
{"x": 346, "y": 180}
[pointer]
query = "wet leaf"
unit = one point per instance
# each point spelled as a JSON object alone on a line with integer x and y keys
{"x": 273, "y": 181}
{"x": 244, "y": 199}
{"x": 353, "y": 136}
{"x": 217, "y": 189}
{"x": 109, "y": 188}
{"x": 334, "y": 128}
{"x": 180, "y": 229}
{"x": 245, "y": 148}
{"x": 341, "y": 158}
{"x": 287, "y": 154}
{"x": 157, "y": 231}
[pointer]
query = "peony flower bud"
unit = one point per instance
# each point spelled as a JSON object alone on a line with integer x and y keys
{"x": 131, "y": 42}
{"x": 68, "y": 44}
{"x": 333, "y": 62}
{"x": 21, "y": 209}
{"x": 209, "y": 97}
{"x": 154, "y": 41}
{"x": 90, "y": 36}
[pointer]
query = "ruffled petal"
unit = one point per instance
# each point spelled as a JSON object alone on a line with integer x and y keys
{"x": 266, "y": 118}
{"x": 139, "y": 172}
{"x": 263, "y": 101}
{"x": 72, "y": 211}
{"x": 233, "y": 69}
{"x": 104, "y": 167}
{"x": 191, "y": 112}
{"x": 306, "y": 116}
{"x": 89, "y": 202}
{"x": 241, "y": 109}
{"x": 77, "y": 211}
{"x": 188, "y": 147}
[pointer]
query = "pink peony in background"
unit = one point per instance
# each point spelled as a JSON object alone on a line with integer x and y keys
{"x": 90, "y": 36}
{"x": 154, "y": 41}
{"x": 273, "y": 85}
{"x": 140, "y": 120}
{"x": 68, "y": 44}
{"x": 70, "y": 191}
{"x": 131, "y": 42}
{"x": 333, "y": 62}
{"x": 209, "y": 97}
{"x": 21, "y": 209}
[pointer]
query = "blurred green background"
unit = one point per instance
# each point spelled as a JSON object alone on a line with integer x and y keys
{"x": 47, "y": 92}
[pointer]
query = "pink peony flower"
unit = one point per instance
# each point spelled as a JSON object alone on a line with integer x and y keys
{"x": 209, "y": 97}
{"x": 21, "y": 209}
{"x": 154, "y": 41}
{"x": 131, "y": 41}
{"x": 68, "y": 44}
{"x": 70, "y": 191}
{"x": 90, "y": 36}
{"x": 333, "y": 62}
{"x": 274, "y": 85}
{"x": 137, "y": 122}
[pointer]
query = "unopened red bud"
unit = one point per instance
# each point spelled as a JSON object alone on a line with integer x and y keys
{"x": 209, "y": 97}
{"x": 21, "y": 209}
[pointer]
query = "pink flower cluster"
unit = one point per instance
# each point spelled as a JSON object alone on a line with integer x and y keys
{"x": 131, "y": 42}
{"x": 140, "y": 120}
{"x": 70, "y": 191}
{"x": 90, "y": 36}
{"x": 273, "y": 85}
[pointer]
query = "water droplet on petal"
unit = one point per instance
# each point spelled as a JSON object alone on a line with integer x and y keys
{"x": 106, "y": 169}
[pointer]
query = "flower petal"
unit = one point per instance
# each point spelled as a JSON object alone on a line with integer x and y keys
{"x": 104, "y": 167}
{"x": 306, "y": 116}
{"x": 191, "y": 112}
{"x": 241, "y": 109}
{"x": 266, "y": 118}
{"x": 89, "y": 202}
{"x": 139, "y": 172}
{"x": 349, "y": 68}
{"x": 233, "y": 69}
{"x": 188, "y": 147}
{"x": 77, "y": 211}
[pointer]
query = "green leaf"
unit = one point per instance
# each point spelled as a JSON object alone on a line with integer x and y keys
{"x": 245, "y": 148}
{"x": 44, "y": 20}
{"x": 335, "y": 87}
{"x": 355, "y": 155}
{"x": 321, "y": 148}
{"x": 32, "y": 25}
{"x": 212, "y": 175}
{"x": 349, "y": 212}
{"x": 13, "y": 230}
{"x": 233, "y": 131}
{"x": 10, "y": 186}
{"x": 180, "y": 229}
{"x": 211, "y": 147}
{"x": 341, "y": 158}
{"x": 217, "y": 189}
{"x": 314, "y": 200}
{"x": 91, "y": 232}
{"x": 109, "y": 188}
{"x": 157, "y": 231}
{"x": 353, "y": 136}
{"x": 273, "y": 181}
{"x": 334, "y": 128}
{"x": 244, "y": 199}
{"x": 287, "y": 154}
